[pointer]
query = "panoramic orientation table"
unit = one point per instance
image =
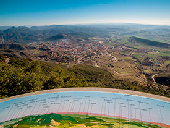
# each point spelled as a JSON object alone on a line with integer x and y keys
{"x": 100, "y": 102}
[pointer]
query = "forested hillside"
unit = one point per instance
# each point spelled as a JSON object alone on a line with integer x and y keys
{"x": 18, "y": 76}
{"x": 148, "y": 42}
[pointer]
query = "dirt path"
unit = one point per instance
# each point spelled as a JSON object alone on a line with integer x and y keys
{"x": 110, "y": 90}
{"x": 153, "y": 77}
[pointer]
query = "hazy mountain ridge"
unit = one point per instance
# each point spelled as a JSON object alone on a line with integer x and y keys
{"x": 4, "y": 27}
{"x": 26, "y": 35}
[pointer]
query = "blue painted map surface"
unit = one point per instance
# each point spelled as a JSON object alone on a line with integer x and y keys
{"x": 89, "y": 102}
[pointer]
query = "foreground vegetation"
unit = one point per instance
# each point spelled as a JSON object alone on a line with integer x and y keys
{"x": 74, "y": 120}
{"x": 18, "y": 76}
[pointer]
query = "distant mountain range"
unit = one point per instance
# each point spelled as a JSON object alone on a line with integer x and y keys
{"x": 4, "y": 27}
{"x": 24, "y": 35}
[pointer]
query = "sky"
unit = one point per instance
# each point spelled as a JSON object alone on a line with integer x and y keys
{"x": 60, "y": 12}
